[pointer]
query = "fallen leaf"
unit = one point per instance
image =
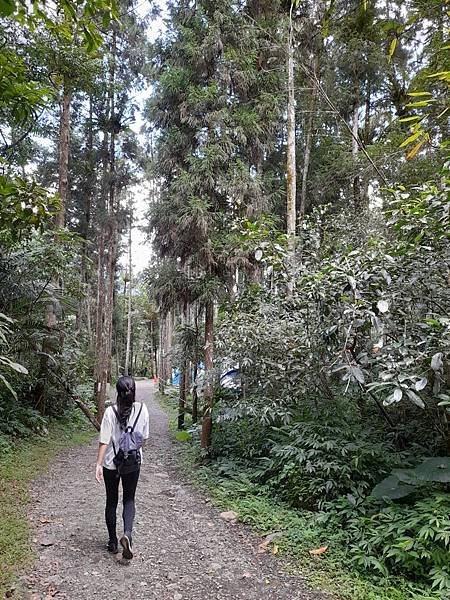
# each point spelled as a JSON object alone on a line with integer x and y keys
{"x": 264, "y": 545}
{"x": 275, "y": 549}
{"x": 262, "y": 548}
{"x": 272, "y": 536}
{"x": 318, "y": 551}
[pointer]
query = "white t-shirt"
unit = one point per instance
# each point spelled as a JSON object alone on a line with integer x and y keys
{"x": 110, "y": 430}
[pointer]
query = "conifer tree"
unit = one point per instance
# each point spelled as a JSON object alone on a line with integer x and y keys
{"x": 208, "y": 105}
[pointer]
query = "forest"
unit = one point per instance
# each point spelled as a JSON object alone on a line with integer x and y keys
{"x": 286, "y": 163}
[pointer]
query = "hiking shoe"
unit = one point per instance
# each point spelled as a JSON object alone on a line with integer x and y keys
{"x": 112, "y": 547}
{"x": 125, "y": 542}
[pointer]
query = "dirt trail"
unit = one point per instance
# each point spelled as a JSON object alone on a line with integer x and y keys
{"x": 184, "y": 550}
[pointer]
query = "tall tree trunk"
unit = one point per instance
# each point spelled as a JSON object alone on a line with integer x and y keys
{"x": 162, "y": 376}
{"x": 355, "y": 148}
{"x": 195, "y": 369}
{"x": 367, "y": 139}
{"x": 112, "y": 208}
{"x": 291, "y": 174}
{"x": 168, "y": 345}
{"x": 130, "y": 287}
{"x": 153, "y": 372}
{"x": 100, "y": 377}
{"x": 64, "y": 144}
{"x": 165, "y": 371}
{"x": 309, "y": 139}
{"x": 195, "y": 394}
{"x": 182, "y": 396}
{"x": 84, "y": 305}
{"x": 209, "y": 365}
{"x": 52, "y": 341}
{"x": 108, "y": 256}
{"x": 110, "y": 296}
{"x": 183, "y": 378}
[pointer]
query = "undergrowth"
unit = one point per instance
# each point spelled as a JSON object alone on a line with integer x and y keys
{"x": 233, "y": 484}
{"x": 19, "y": 465}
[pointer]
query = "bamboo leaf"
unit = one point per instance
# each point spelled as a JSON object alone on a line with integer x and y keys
{"x": 420, "y": 103}
{"x": 411, "y": 139}
{"x": 440, "y": 74}
{"x": 416, "y": 148}
{"x": 408, "y": 119}
{"x": 418, "y": 94}
{"x": 392, "y": 48}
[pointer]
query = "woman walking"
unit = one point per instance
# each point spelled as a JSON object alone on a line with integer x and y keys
{"x": 124, "y": 427}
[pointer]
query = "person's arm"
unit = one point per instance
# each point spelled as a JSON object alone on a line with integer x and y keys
{"x": 100, "y": 458}
{"x": 146, "y": 428}
{"x": 104, "y": 439}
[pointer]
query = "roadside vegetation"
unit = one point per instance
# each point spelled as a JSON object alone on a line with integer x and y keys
{"x": 319, "y": 545}
{"x": 19, "y": 465}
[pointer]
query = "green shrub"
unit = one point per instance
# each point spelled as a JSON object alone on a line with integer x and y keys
{"x": 18, "y": 419}
{"x": 412, "y": 540}
{"x": 310, "y": 463}
{"x": 244, "y": 437}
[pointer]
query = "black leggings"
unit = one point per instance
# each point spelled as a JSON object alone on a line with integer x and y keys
{"x": 129, "y": 484}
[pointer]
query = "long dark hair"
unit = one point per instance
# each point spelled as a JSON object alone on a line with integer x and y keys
{"x": 126, "y": 392}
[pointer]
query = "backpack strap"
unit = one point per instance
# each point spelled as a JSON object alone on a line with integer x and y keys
{"x": 120, "y": 425}
{"x": 136, "y": 419}
{"x": 128, "y": 426}
{"x": 116, "y": 413}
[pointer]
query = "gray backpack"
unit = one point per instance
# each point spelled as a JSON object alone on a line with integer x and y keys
{"x": 127, "y": 457}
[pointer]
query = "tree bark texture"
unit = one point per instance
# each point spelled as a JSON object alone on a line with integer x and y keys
{"x": 209, "y": 365}
{"x": 130, "y": 288}
{"x": 183, "y": 376}
{"x": 162, "y": 363}
{"x": 309, "y": 140}
{"x": 355, "y": 148}
{"x": 107, "y": 255}
{"x": 84, "y": 306}
{"x": 52, "y": 341}
{"x": 291, "y": 209}
{"x": 64, "y": 145}
{"x": 291, "y": 168}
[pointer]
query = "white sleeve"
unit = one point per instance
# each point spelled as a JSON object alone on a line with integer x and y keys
{"x": 145, "y": 425}
{"x": 106, "y": 428}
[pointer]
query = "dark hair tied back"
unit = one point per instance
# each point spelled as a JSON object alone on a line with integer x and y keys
{"x": 126, "y": 392}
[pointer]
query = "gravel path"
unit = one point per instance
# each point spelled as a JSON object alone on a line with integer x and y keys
{"x": 184, "y": 550}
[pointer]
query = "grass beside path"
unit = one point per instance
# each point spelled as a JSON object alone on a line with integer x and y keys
{"x": 17, "y": 469}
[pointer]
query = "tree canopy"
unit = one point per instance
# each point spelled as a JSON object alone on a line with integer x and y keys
{"x": 291, "y": 163}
